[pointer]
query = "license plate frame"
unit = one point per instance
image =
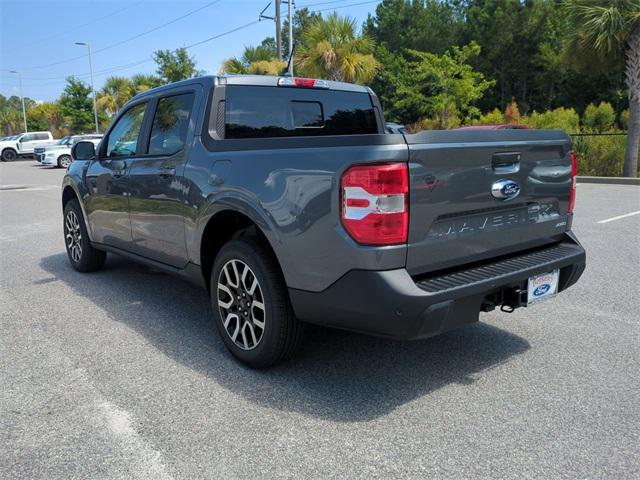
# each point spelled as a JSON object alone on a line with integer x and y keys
{"x": 542, "y": 287}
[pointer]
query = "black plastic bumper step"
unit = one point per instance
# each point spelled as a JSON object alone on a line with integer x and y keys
{"x": 497, "y": 269}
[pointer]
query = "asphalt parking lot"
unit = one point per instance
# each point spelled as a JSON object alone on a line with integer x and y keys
{"x": 120, "y": 374}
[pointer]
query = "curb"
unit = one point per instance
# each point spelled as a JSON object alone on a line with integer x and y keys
{"x": 609, "y": 180}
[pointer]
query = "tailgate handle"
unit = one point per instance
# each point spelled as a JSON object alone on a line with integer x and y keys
{"x": 507, "y": 162}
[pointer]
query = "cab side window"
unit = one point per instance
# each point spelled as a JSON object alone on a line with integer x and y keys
{"x": 123, "y": 139}
{"x": 170, "y": 124}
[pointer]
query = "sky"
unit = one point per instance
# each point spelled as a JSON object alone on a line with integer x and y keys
{"x": 38, "y": 38}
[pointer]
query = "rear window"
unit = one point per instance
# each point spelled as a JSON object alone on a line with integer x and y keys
{"x": 264, "y": 112}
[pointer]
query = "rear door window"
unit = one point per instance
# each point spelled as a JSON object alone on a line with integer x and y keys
{"x": 170, "y": 124}
{"x": 264, "y": 112}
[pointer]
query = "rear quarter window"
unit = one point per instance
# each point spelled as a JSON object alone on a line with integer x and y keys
{"x": 268, "y": 112}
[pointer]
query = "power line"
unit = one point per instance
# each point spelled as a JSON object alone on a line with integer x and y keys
{"x": 222, "y": 34}
{"x": 133, "y": 64}
{"x": 77, "y": 27}
{"x": 322, "y": 3}
{"x": 345, "y": 6}
{"x": 126, "y": 40}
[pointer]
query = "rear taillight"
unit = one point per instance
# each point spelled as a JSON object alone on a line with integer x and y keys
{"x": 375, "y": 203}
{"x": 574, "y": 173}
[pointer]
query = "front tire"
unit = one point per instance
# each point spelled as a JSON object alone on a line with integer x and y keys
{"x": 251, "y": 306}
{"x": 82, "y": 255}
{"x": 9, "y": 155}
{"x": 64, "y": 161}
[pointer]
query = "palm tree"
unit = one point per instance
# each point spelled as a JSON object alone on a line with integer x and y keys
{"x": 142, "y": 82}
{"x": 114, "y": 94}
{"x": 259, "y": 60}
{"x": 606, "y": 27}
{"x": 331, "y": 48}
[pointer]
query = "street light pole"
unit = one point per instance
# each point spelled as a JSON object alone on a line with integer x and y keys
{"x": 93, "y": 88}
{"x": 24, "y": 110}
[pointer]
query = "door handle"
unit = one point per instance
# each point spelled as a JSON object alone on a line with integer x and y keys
{"x": 120, "y": 168}
{"x": 167, "y": 172}
{"x": 508, "y": 162}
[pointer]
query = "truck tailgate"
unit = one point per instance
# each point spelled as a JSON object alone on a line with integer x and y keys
{"x": 455, "y": 218}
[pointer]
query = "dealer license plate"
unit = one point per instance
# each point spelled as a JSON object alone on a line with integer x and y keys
{"x": 542, "y": 287}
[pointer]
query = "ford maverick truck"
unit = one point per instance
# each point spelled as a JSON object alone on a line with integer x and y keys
{"x": 290, "y": 202}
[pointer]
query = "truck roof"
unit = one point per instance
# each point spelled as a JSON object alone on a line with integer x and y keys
{"x": 253, "y": 80}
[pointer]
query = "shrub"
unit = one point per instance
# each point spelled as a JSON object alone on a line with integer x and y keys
{"x": 561, "y": 118}
{"x": 492, "y": 118}
{"x": 624, "y": 120}
{"x": 600, "y": 155}
{"x": 599, "y": 119}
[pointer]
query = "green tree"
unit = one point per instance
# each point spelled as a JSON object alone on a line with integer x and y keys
{"x": 10, "y": 116}
{"x": 114, "y": 94}
{"x": 176, "y": 65}
{"x": 606, "y": 27}
{"x": 331, "y": 48}
{"x": 302, "y": 19}
{"x": 444, "y": 86}
{"x": 47, "y": 116}
{"x": 428, "y": 25}
{"x": 76, "y": 106}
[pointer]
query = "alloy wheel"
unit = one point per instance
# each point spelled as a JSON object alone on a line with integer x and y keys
{"x": 65, "y": 161}
{"x": 241, "y": 304}
{"x": 73, "y": 235}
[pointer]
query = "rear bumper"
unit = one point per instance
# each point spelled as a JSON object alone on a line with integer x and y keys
{"x": 393, "y": 304}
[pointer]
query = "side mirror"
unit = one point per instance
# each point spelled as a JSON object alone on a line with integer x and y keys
{"x": 83, "y": 150}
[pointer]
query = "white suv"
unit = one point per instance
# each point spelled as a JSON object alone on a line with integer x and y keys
{"x": 23, "y": 144}
{"x": 59, "y": 154}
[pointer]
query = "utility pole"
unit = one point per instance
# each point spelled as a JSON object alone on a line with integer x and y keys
{"x": 278, "y": 31}
{"x": 24, "y": 110}
{"x": 93, "y": 87}
{"x": 290, "y": 4}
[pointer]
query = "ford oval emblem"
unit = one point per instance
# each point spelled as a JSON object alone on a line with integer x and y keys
{"x": 505, "y": 189}
{"x": 542, "y": 289}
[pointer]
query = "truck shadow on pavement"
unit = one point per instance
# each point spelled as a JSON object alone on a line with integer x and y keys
{"x": 339, "y": 376}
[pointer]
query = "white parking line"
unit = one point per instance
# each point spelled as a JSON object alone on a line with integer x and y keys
{"x": 607, "y": 220}
{"x": 25, "y": 188}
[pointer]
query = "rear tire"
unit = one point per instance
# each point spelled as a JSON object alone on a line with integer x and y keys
{"x": 82, "y": 255}
{"x": 251, "y": 305}
{"x": 64, "y": 161}
{"x": 9, "y": 155}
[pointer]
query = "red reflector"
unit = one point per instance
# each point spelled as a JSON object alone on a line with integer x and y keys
{"x": 304, "y": 82}
{"x": 574, "y": 173}
{"x": 375, "y": 203}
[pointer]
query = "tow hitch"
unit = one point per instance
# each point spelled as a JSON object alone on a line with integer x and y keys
{"x": 508, "y": 299}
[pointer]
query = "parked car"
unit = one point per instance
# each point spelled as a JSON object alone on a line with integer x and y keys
{"x": 59, "y": 154}
{"x": 22, "y": 145}
{"x": 289, "y": 202}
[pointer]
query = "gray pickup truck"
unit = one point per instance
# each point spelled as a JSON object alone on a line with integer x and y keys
{"x": 286, "y": 199}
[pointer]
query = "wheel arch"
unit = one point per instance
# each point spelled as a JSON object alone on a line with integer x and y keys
{"x": 70, "y": 193}
{"x": 226, "y": 225}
